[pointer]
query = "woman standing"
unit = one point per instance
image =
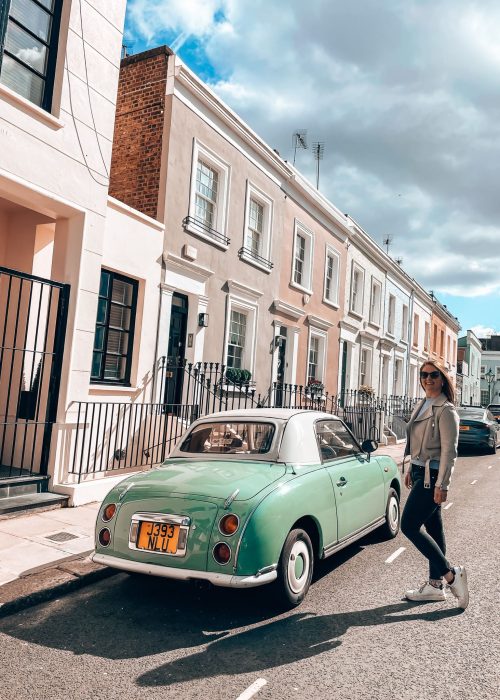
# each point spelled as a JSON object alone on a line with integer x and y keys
{"x": 432, "y": 445}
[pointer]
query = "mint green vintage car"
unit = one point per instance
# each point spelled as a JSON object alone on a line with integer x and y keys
{"x": 250, "y": 497}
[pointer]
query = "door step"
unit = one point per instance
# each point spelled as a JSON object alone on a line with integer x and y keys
{"x": 31, "y": 502}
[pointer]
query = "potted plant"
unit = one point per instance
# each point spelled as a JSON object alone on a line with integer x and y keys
{"x": 235, "y": 375}
{"x": 315, "y": 387}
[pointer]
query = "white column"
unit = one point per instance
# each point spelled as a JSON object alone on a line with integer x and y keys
{"x": 164, "y": 313}
{"x": 199, "y": 341}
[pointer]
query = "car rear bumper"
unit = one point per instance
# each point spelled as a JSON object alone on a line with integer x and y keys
{"x": 226, "y": 580}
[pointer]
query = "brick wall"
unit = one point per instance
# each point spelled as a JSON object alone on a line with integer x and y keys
{"x": 137, "y": 144}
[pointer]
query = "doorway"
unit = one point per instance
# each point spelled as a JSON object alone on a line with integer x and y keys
{"x": 176, "y": 349}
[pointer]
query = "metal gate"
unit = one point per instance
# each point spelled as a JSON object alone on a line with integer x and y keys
{"x": 33, "y": 314}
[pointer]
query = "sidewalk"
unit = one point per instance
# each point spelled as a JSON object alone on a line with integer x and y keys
{"x": 45, "y": 554}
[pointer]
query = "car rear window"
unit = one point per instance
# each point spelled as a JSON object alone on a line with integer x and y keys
{"x": 495, "y": 410}
{"x": 229, "y": 438}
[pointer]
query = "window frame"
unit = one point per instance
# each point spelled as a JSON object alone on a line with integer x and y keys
{"x": 355, "y": 270}
{"x": 251, "y": 312}
{"x": 300, "y": 230}
{"x": 216, "y": 234}
{"x": 391, "y": 315}
{"x": 330, "y": 252}
{"x": 366, "y": 362}
{"x": 374, "y": 318}
{"x": 125, "y": 381}
{"x": 404, "y": 323}
{"x": 49, "y": 76}
{"x": 262, "y": 260}
{"x": 322, "y": 337}
{"x": 416, "y": 330}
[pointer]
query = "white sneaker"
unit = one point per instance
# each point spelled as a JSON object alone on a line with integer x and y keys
{"x": 426, "y": 592}
{"x": 459, "y": 586}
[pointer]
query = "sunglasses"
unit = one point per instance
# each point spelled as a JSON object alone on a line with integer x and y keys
{"x": 433, "y": 375}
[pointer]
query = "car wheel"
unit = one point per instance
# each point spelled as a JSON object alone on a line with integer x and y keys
{"x": 295, "y": 568}
{"x": 392, "y": 515}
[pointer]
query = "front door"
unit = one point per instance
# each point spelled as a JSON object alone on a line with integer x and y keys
{"x": 281, "y": 371}
{"x": 176, "y": 349}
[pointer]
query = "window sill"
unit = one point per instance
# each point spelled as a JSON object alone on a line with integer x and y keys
{"x": 192, "y": 228}
{"x": 304, "y": 290}
{"x": 374, "y": 324}
{"x": 31, "y": 108}
{"x": 333, "y": 304}
{"x": 356, "y": 314}
{"x": 112, "y": 388}
{"x": 252, "y": 261}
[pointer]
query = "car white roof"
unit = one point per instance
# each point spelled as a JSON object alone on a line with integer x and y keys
{"x": 295, "y": 439}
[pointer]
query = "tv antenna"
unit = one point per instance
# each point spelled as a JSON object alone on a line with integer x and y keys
{"x": 387, "y": 242}
{"x": 299, "y": 141}
{"x": 318, "y": 152}
{"x": 399, "y": 261}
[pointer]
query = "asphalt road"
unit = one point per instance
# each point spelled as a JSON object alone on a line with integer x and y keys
{"x": 354, "y": 637}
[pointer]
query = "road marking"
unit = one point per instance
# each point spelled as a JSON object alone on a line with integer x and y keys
{"x": 399, "y": 551}
{"x": 473, "y": 482}
{"x": 252, "y": 689}
{"x": 448, "y": 506}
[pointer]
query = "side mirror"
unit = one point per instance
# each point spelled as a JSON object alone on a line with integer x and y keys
{"x": 369, "y": 446}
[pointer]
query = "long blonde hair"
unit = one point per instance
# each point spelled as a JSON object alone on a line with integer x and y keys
{"x": 448, "y": 388}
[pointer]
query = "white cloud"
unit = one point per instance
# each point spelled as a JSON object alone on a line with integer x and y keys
{"x": 484, "y": 331}
{"x": 153, "y": 18}
{"x": 405, "y": 97}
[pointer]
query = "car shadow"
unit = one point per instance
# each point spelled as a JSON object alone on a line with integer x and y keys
{"x": 280, "y": 642}
{"x": 133, "y": 617}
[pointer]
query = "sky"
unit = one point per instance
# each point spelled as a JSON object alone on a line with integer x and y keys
{"x": 405, "y": 97}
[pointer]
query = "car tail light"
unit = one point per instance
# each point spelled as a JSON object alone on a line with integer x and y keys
{"x": 109, "y": 512}
{"x": 104, "y": 537}
{"x": 222, "y": 553}
{"x": 229, "y": 524}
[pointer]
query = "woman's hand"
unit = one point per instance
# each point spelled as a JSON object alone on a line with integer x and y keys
{"x": 408, "y": 481}
{"x": 440, "y": 496}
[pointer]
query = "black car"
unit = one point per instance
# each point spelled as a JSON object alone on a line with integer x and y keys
{"x": 478, "y": 428}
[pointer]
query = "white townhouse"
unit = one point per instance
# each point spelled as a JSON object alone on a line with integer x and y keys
{"x": 79, "y": 271}
{"x": 420, "y": 313}
{"x": 469, "y": 362}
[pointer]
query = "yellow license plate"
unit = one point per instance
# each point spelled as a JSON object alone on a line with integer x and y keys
{"x": 158, "y": 537}
{"x": 464, "y": 427}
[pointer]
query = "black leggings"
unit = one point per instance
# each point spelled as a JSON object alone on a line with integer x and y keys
{"x": 419, "y": 510}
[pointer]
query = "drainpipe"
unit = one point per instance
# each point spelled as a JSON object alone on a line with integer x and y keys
{"x": 410, "y": 338}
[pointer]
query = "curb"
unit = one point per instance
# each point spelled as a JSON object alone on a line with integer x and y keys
{"x": 50, "y": 583}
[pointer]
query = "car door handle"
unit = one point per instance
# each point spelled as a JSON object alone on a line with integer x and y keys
{"x": 342, "y": 481}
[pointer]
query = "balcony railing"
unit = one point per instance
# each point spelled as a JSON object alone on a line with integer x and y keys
{"x": 191, "y": 223}
{"x": 245, "y": 252}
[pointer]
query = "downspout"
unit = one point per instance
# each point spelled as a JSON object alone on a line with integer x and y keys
{"x": 410, "y": 339}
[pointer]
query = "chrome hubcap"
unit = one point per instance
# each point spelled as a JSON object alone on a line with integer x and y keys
{"x": 393, "y": 513}
{"x": 299, "y": 563}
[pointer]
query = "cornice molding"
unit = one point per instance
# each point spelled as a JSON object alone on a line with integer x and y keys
{"x": 185, "y": 267}
{"x": 287, "y": 309}
{"x": 318, "y": 322}
{"x": 235, "y": 287}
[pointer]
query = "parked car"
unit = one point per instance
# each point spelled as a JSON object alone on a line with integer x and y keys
{"x": 494, "y": 409}
{"x": 478, "y": 428}
{"x": 251, "y": 497}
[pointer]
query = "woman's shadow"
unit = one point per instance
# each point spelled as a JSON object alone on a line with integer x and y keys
{"x": 280, "y": 642}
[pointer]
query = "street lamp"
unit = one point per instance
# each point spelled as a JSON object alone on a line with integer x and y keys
{"x": 489, "y": 376}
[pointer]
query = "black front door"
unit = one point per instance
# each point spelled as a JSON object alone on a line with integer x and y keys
{"x": 176, "y": 349}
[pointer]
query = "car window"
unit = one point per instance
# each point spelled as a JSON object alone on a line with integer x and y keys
{"x": 229, "y": 438}
{"x": 495, "y": 410}
{"x": 334, "y": 440}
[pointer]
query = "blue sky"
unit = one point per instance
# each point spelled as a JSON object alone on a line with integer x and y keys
{"x": 405, "y": 98}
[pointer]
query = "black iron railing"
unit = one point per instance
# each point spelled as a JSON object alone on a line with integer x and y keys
{"x": 117, "y": 436}
{"x": 249, "y": 253}
{"x": 190, "y": 222}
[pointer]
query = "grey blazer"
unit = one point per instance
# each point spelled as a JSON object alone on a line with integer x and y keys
{"x": 434, "y": 435}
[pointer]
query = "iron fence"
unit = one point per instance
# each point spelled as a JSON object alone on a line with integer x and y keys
{"x": 117, "y": 436}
